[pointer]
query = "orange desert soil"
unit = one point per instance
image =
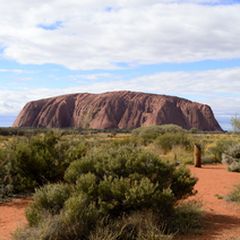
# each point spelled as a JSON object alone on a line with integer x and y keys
{"x": 222, "y": 219}
{"x": 12, "y": 216}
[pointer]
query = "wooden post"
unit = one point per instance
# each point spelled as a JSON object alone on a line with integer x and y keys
{"x": 197, "y": 156}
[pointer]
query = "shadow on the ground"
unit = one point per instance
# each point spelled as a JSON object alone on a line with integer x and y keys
{"x": 214, "y": 225}
{"x": 17, "y": 203}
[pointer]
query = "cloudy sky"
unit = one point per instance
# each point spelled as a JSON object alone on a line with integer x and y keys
{"x": 188, "y": 48}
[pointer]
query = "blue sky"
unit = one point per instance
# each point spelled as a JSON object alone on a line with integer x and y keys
{"x": 186, "y": 48}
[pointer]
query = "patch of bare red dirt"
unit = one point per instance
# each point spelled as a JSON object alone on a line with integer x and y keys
{"x": 12, "y": 216}
{"x": 222, "y": 218}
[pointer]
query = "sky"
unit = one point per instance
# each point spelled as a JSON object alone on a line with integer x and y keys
{"x": 187, "y": 48}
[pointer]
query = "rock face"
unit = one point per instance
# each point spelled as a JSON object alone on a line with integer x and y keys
{"x": 111, "y": 110}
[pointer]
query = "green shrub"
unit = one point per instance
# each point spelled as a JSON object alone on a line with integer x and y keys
{"x": 49, "y": 199}
{"x": 74, "y": 150}
{"x": 193, "y": 130}
{"x": 169, "y": 140}
{"x": 30, "y": 162}
{"x": 123, "y": 162}
{"x": 235, "y": 195}
{"x": 81, "y": 215}
{"x": 232, "y": 158}
{"x": 148, "y": 134}
{"x": 220, "y": 147}
{"x": 171, "y": 128}
{"x": 76, "y": 219}
{"x": 110, "y": 184}
{"x": 124, "y": 179}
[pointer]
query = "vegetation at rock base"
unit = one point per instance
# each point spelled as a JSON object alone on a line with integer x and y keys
{"x": 150, "y": 133}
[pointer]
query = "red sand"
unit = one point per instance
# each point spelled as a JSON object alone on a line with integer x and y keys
{"x": 12, "y": 216}
{"x": 222, "y": 218}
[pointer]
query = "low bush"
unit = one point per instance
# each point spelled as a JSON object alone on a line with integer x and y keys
{"x": 49, "y": 199}
{"x": 142, "y": 225}
{"x": 121, "y": 163}
{"x": 136, "y": 226}
{"x": 169, "y": 140}
{"x": 194, "y": 130}
{"x": 150, "y": 133}
{"x": 218, "y": 149}
{"x": 125, "y": 179}
{"x": 232, "y": 158}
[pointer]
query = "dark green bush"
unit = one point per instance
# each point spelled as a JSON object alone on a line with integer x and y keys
{"x": 31, "y": 162}
{"x": 27, "y": 163}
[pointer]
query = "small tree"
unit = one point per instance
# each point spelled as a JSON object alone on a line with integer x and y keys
{"x": 235, "y": 121}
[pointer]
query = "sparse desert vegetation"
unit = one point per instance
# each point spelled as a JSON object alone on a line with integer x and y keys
{"x": 108, "y": 185}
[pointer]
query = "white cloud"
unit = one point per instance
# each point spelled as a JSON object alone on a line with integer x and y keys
{"x": 134, "y": 32}
{"x": 92, "y": 77}
{"x": 103, "y": 34}
{"x": 218, "y": 88}
{"x": 12, "y": 70}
